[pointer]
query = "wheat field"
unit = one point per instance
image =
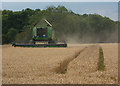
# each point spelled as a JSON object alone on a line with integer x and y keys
{"x": 76, "y": 64}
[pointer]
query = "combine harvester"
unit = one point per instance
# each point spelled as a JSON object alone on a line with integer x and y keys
{"x": 43, "y": 36}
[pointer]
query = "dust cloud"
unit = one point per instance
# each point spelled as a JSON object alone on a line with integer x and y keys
{"x": 103, "y": 37}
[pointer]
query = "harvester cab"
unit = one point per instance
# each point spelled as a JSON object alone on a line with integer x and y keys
{"x": 43, "y": 36}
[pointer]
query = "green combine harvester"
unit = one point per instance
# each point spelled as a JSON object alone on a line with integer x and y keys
{"x": 43, "y": 36}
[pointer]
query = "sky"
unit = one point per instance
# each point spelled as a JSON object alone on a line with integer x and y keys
{"x": 108, "y": 9}
{"x": 59, "y": 0}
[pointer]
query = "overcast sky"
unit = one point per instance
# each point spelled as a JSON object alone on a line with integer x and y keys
{"x": 109, "y": 9}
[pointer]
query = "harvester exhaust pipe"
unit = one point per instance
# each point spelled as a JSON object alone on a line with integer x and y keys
{"x": 48, "y": 22}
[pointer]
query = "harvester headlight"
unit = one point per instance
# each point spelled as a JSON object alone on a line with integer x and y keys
{"x": 44, "y": 36}
{"x": 34, "y": 36}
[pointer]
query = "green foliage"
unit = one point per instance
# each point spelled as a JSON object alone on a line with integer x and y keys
{"x": 64, "y": 71}
{"x": 24, "y": 36}
{"x": 11, "y": 34}
{"x": 4, "y": 39}
{"x": 67, "y": 24}
{"x": 101, "y": 65}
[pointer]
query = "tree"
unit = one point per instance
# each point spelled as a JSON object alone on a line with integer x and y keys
{"x": 11, "y": 34}
{"x": 67, "y": 24}
{"x": 25, "y": 36}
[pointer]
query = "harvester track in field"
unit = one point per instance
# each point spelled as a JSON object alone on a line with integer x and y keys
{"x": 62, "y": 69}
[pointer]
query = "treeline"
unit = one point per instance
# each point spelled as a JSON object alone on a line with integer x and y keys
{"x": 69, "y": 26}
